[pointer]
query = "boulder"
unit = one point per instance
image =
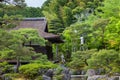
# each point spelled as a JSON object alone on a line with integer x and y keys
{"x": 91, "y": 72}
{"x": 66, "y": 74}
{"x": 103, "y": 77}
{"x": 97, "y": 77}
{"x": 114, "y": 78}
{"x": 48, "y": 75}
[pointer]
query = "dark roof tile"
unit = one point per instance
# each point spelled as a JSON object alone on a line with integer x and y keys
{"x": 40, "y": 24}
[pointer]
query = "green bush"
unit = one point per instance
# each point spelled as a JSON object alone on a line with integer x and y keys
{"x": 39, "y": 78}
{"x": 40, "y": 58}
{"x": 59, "y": 77}
{"x": 58, "y": 71}
{"x": 79, "y": 59}
{"x": 106, "y": 59}
{"x": 12, "y": 76}
{"x": 33, "y": 70}
{"x": 6, "y": 68}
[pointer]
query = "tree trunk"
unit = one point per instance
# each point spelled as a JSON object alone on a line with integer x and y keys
{"x": 17, "y": 65}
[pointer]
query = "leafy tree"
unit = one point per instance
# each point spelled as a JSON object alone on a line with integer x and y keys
{"x": 100, "y": 28}
{"x": 5, "y": 68}
{"x": 29, "y": 36}
{"x": 110, "y": 15}
{"x": 72, "y": 36}
{"x": 8, "y": 22}
{"x": 103, "y": 24}
{"x": 25, "y": 11}
{"x": 19, "y": 3}
{"x": 12, "y": 44}
{"x": 62, "y": 12}
{"x": 79, "y": 59}
{"x": 107, "y": 59}
{"x": 26, "y": 36}
{"x": 36, "y": 69}
{"x": 109, "y": 9}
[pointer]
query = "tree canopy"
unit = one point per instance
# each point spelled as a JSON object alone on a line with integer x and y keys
{"x": 96, "y": 21}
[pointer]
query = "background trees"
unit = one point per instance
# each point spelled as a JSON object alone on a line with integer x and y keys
{"x": 65, "y": 12}
{"x": 18, "y": 7}
{"x": 106, "y": 59}
{"x": 98, "y": 21}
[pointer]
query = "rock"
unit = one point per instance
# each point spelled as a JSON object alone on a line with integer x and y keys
{"x": 91, "y": 72}
{"x": 103, "y": 77}
{"x": 48, "y": 75}
{"x": 114, "y": 78}
{"x": 4, "y": 77}
{"x": 79, "y": 77}
{"x": 116, "y": 74}
{"x": 97, "y": 77}
{"x": 66, "y": 74}
{"x": 100, "y": 71}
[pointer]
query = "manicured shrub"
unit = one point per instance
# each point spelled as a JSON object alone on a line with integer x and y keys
{"x": 33, "y": 70}
{"x": 79, "y": 59}
{"x": 13, "y": 76}
{"x": 59, "y": 77}
{"x": 39, "y": 78}
{"x": 106, "y": 59}
{"x": 5, "y": 68}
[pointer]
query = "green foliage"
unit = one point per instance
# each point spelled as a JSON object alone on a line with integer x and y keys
{"x": 8, "y": 22}
{"x": 5, "y": 68}
{"x": 11, "y": 46}
{"x": 58, "y": 73}
{"x": 25, "y": 11}
{"x": 112, "y": 33}
{"x": 6, "y": 54}
{"x": 11, "y": 43}
{"x": 20, "y": 9}
{"x": 72, "y": 36}
{"x": 59, "y": 77}
{"x": 59, "y": 70}
{"x": 39, "y": 78}
{"x": 109, "y": 9}
{"x": 79, "y": 59}
{"x": 8, "y": 41}
{"x": 14, "y": 76}
{"x": 40, "y": 58}
{"x": 63, "y": 12}
{"x": 18, "y": 3}
{"x": 98, "y": 21}
{"x": 29, "y": 35}
{"x": 106, "y": 59}
{"x": 32, "y": 70}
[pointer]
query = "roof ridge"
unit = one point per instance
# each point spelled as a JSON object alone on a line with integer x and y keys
{"x": 35, "y": 19}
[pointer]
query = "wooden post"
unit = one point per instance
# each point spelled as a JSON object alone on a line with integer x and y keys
{"x": 56, "y": 51}
{"x": 17, "y": 65}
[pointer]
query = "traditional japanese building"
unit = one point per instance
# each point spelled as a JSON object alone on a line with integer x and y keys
{"x": 40, "y": 24}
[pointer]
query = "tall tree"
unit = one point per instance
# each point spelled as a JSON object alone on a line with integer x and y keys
{"x": 19, "y": 3}
{"x": 61, "y": 13}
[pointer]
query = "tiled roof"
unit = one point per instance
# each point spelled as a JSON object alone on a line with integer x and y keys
{"x": 40, "y": 24}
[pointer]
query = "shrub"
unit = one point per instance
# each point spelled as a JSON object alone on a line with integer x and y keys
{"x": 107, "y": 59}
{"x": 59, "y": 77}
{"x": 39, "y": 58}
{"x": 58, "y": 71}
{"x": 35, "y": 69}
{"x": 5, "y": 68}
{"x": 13, "y": 76}
{"x": 79, "y": 59}
{"x": 39, "y": 78}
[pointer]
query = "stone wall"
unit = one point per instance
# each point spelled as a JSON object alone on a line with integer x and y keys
{"x": 92, "y": 75}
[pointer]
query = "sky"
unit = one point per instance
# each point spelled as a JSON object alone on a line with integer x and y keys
{"x": 34, "y": 3}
